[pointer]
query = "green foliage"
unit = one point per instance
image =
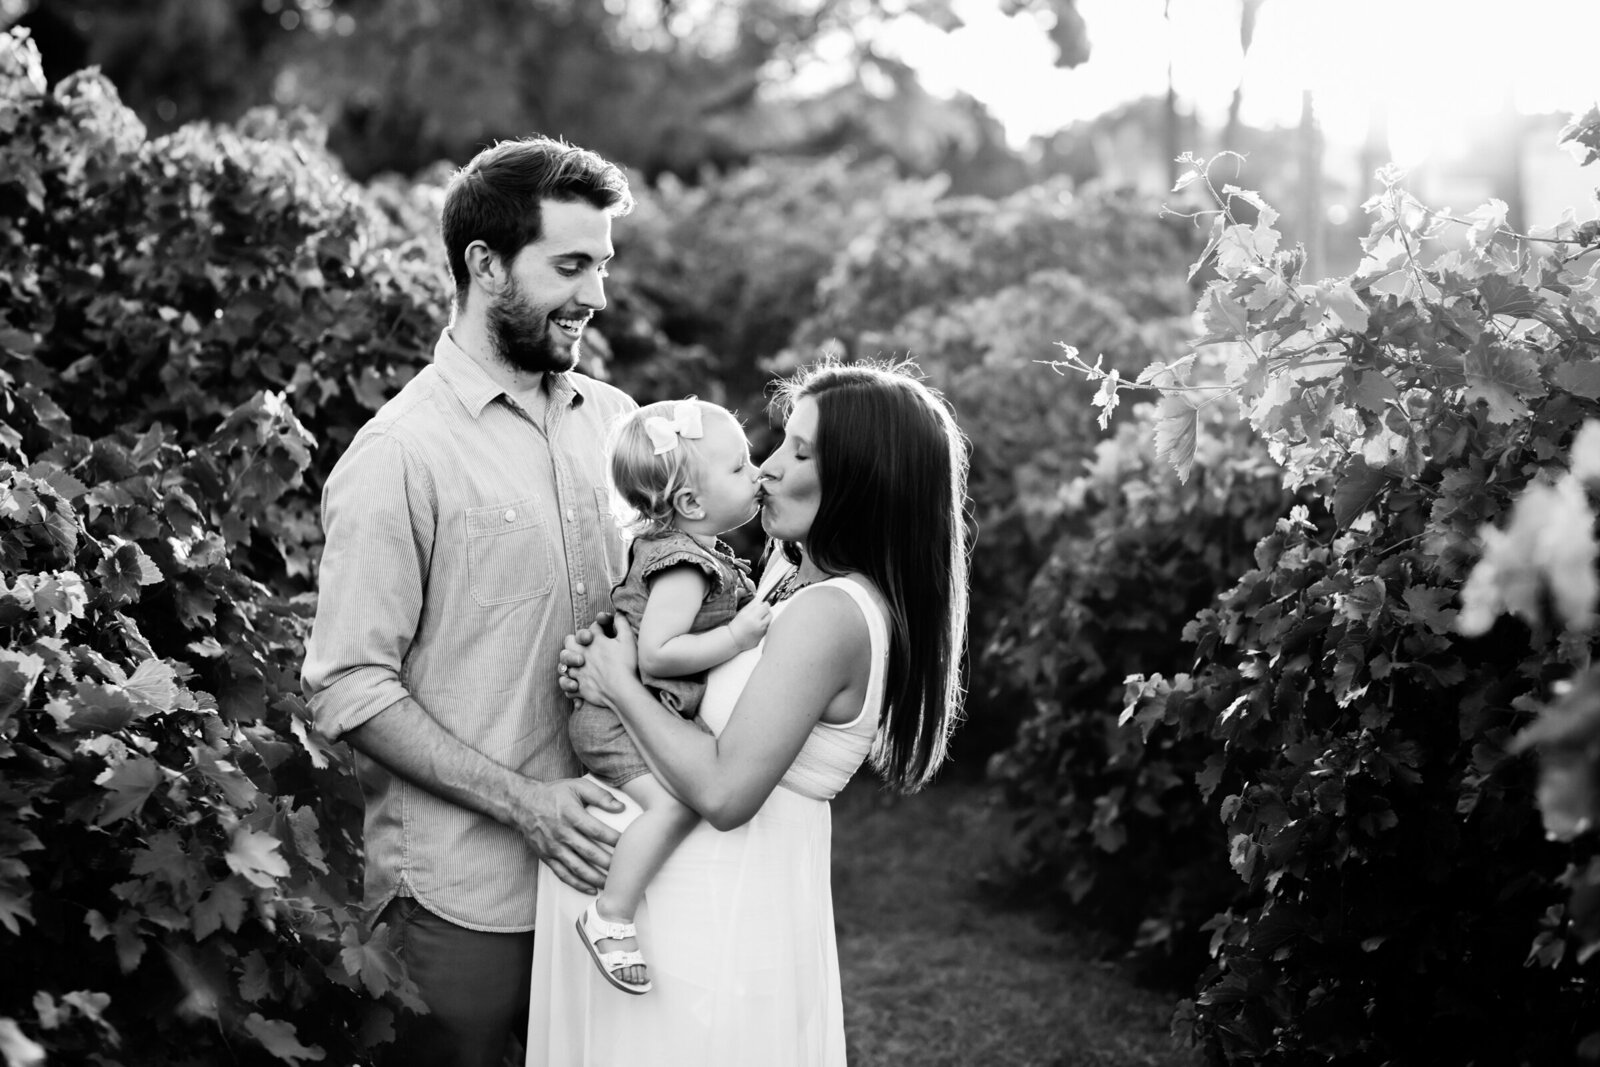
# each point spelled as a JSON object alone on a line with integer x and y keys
{"x": 728, "y": 268}
{"x": 979, "y": 292}
{"x": 180, "y": 322}
{"x": 1402, "y": 902}
{"x": 1107, "y": 819}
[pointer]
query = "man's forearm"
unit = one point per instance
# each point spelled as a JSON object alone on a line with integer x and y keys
{"x": 410, "y": 743}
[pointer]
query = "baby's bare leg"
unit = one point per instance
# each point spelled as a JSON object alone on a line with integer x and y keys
{"x": 640, "y": 853}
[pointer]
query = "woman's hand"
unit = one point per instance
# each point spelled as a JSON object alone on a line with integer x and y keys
{"x": 593, "y": 665}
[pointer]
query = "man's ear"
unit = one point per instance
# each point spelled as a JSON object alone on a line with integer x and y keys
{"x": 686, "y": 504}
{"x": 486, "y": 267}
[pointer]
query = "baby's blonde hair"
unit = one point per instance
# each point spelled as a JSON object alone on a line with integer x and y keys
{"x": 646, "y": 482}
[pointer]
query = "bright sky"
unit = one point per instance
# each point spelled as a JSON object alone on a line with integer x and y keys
{"x": 1439, "y": 65}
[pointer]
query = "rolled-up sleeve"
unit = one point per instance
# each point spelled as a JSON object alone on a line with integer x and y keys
{"x": 378, "y": 525}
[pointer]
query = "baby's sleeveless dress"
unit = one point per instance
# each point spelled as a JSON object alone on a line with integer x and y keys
{"x": 738, "y": 926}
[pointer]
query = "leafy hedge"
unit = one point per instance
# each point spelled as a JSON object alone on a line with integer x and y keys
{"x": 1107, "y": 819}
{"x": 1401, "y": 901}
{"x": 979, "y": 292}
{"x": 190, "y": 328}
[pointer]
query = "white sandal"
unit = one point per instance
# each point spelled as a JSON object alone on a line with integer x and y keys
{"x": 593, "y": 929}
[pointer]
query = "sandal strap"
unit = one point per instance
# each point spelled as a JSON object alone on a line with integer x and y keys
{"x": 615, "y": 961}
{"x": 599, "y": 929}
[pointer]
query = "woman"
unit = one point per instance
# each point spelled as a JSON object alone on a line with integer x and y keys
{"x": 869, "y": 609}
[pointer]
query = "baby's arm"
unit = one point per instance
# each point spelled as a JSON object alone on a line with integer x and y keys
{"x": 666, "y": 647}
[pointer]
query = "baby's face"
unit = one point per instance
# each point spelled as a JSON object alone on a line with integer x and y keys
{"x": 725, "y": 480}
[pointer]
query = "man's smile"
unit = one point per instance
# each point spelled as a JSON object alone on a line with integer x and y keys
{"x": 572, "y": 327}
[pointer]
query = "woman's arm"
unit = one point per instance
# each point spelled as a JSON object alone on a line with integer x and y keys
{"x": 817, "y": 654}
{"x": 666, "y": 647}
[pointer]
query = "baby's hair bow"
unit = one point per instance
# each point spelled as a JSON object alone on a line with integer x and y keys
{"x": 685, "y": 422}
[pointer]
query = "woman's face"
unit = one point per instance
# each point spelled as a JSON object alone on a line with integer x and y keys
{"x": 791, "y": 489}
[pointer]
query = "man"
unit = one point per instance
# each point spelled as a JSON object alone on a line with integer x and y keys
{"x": 468, "y": 532}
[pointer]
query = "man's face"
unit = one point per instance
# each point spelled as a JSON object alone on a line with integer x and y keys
{"x": 555, "y": 284}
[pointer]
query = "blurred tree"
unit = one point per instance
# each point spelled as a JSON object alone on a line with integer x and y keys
{"x": 665, "y": 85}
{"x": 172, "y": 61}
{"x": 1248, "y": 9}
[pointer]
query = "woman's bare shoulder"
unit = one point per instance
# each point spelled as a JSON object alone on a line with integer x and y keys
{"x": 826, "y": 615}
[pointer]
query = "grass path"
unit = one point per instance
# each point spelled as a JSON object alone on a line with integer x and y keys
{"x": 936, "y": 976}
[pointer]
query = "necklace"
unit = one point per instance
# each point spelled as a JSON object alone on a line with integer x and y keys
{"x": 787, "y": 587}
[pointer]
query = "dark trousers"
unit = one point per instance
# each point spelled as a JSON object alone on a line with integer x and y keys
{"x": 475, "y": 984}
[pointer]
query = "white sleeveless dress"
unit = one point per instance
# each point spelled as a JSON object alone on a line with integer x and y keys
{"x": 738, "y": 926}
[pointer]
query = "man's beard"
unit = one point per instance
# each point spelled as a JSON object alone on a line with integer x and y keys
{"x": 524, "y": 340}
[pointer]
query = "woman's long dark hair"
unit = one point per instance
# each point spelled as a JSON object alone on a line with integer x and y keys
{"x": 893, "y": 471}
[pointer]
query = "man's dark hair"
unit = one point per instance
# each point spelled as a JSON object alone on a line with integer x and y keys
{"x": 495, "y": 198}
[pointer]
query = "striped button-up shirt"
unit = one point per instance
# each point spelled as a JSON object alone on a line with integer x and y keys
{"x": 464, "y": 541}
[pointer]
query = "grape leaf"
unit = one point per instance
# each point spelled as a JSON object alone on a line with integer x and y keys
{"x": 96, "y": 707}
{"x": 1358, "y": 486}
{"x": 1580, "y": 379}
{"x": 60, "y": 598}
{"x": 1502, "y": 378}
{"x": 1344, "y": 305}
{"x": 63, "y": 483}
{"x": 125, "y": 571}
{"x": 18, "y": 673}
{"x": 322, "y": 754}
{"x": 1501, "y": 296}
{"x": 163, "y": 855}
{"x": 1581, "y": 136}
{"x": 255, "y": 856}
{"x": 1374, "y": 392}
{"x": 1365, "y": 600}
{"x": 1427, "y": 607}
{"x": 239, "y": 790}
{"x": 1175, "y": 434}
{"x": 127, "y": 787}
{"x": 1486, "y": 221}
{"x": 371, "y": 959}
{"x": 154, "y": 684}
{"x": 279, "y": 1038}
{"x": 1266, "y": 213}
{"x": 255, "y": 979}
{"x": 303, "y": 828}
{"x": 223, "y": 906}
{"x": 15, "y": 903}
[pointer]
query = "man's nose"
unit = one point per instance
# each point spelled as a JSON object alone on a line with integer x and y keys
{"x": 593, "y": 293}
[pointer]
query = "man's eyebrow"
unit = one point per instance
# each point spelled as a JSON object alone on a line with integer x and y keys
{"x": 581, "y": 257}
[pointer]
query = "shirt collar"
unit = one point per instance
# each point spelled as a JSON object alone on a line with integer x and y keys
{"x": 476, "y": 390}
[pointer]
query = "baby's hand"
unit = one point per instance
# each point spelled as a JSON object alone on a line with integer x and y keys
{"x": 750, "y": 625}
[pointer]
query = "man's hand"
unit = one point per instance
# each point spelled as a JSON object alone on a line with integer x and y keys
{"x": 749, "y": 626}
{"x": 554, "y": 817}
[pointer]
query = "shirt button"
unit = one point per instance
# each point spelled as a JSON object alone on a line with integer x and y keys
{"x": 572, "y": 516}
{"x": 511, "y": 514}
{"x": 579, "y": 589}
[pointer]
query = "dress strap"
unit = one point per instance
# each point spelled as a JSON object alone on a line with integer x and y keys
{"x": 878, "y": 634}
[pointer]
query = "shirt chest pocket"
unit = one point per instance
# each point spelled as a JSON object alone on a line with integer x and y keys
{"x": 509, "y": 556}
